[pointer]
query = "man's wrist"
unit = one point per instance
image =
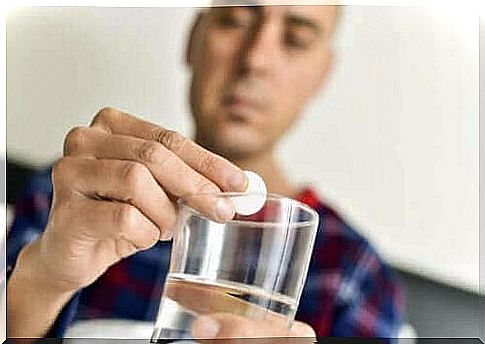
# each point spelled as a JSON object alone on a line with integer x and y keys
{"x": 33, "y": 302}
{"x": 30, "y": 272}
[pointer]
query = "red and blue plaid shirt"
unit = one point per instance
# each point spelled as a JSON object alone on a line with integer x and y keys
{"x": 349, "y": 290}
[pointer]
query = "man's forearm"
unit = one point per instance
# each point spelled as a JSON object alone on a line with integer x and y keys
{"x": 32, "y": 304}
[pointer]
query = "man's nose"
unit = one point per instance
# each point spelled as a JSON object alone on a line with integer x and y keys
{"x": 260, "y": 50}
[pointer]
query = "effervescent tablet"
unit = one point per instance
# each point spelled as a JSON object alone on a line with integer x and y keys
{"x": 255, "y": 195}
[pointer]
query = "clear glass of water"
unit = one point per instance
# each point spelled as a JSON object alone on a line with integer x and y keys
{"x": 253, "y": 266}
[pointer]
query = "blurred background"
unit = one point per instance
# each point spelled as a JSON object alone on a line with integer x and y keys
{"x": 391, "y": 141}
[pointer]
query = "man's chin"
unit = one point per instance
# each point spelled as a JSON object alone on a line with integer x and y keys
{"x": 232, "y": 141}
{"x": 234, "y": 149}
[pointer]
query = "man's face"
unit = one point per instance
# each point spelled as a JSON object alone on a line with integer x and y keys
{"x": 254, "y": 68}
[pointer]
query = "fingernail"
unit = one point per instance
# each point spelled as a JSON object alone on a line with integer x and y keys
{"x": 156, "y": 234}
{"x": 238, "y": 182}
{"x": 205, "y": 327}
{"x": 224, "y": 209}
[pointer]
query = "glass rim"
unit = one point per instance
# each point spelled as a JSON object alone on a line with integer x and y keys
{"x": 271, "y": 196}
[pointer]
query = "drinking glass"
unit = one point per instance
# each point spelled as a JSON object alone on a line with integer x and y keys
{"x": 253, "y": 266}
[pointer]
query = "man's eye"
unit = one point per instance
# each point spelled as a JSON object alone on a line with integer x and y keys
{"x": 295, "y": 42}
{"x": 232, "y": 21}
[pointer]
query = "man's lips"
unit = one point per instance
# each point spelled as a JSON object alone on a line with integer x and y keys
{"x": 241, "y": 105}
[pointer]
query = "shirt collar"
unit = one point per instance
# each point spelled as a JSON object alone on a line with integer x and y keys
{"x": 309, "y": 196}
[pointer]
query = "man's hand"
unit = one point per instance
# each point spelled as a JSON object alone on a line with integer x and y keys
{"x": 230, "y": 328}
{"x": 114, "y": 194}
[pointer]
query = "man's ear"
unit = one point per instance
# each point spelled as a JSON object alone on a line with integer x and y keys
{"x": 325, "y": 73}
{"x": 193, "y": 39}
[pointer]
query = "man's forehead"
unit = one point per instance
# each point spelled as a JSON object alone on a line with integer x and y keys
{"x": 268, "y": 3}
{"x": 321, "y": 14}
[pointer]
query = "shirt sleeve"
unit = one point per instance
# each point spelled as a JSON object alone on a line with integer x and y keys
{"x": 31, "y": 214}
{"x": 369, "y": 300}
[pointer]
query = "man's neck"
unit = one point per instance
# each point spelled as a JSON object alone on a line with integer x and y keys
{"x": 267, "y": 167}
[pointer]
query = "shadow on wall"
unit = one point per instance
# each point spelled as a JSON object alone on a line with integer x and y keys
{"x": 435, "y": 310}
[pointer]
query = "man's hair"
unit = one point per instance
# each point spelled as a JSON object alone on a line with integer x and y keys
{"x": 338, "y": 15}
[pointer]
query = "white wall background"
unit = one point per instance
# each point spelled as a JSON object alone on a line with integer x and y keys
{"x": 392, "y": 141}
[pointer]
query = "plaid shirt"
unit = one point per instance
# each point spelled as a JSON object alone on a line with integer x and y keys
{"x": 349, "y": 290}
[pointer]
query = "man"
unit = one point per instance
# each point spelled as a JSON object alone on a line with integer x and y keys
{"x": 102, "y": 249}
